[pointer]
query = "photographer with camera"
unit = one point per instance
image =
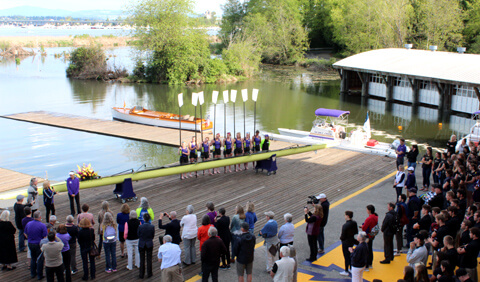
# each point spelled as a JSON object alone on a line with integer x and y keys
{"x": 313, "y": 226}
{"x": 172, "y": 228}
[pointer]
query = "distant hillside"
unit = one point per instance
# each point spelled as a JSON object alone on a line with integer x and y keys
{"x": 30, "y": 11}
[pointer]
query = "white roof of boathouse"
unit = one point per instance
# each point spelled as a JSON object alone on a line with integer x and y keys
{"x": 449, "y": 67}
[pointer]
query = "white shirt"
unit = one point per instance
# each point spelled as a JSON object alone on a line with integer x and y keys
{"x": 169, "y": 254}
{"x": 286, "y": 233}
{"x": 285, "y": 268}
{"x": 189, "y": 224}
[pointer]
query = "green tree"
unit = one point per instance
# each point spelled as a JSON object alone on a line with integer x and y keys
{"x": 233, "y": 14}
{"x": 277, "y": 28}
{"x": 180, "y": 52}
{"x": 472, "y": 28}
{"x": 437, "y": 22}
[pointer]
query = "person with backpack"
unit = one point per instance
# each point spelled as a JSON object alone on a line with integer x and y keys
{"x": 371, "y": 228}
{"x": 389, "y": 228}
{"x": 108, "y": 230}
{"x": 144, "y": 208}
{"x": 402, "y": 221}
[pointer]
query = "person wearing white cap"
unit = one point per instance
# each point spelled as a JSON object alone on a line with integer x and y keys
{"x": 410, "y": 181}
{"x": 326, "y": 208}
{"x": 269, "y": 232}
{"x": 399, "y": 180}
{"x": 19, "y": 209}
{"x": 73, "y": 187}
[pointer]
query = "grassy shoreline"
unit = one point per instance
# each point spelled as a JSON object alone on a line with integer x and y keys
{"x": 63, "y": 41}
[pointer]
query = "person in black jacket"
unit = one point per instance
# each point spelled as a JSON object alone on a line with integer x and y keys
{"x": 326, "y": 209}
{"x": 86, "y": 238}
{"x": 172, "y": 228}
{"x": 146, "y": 233}
{"x": 245, "y": 250}
{"x": 389, "y": 229}
{"x": 19, "y": 209}
{"x": 212, "y": 249}
{"x": 438, "y": 199}
{"x": 349, "y": 229}
{"x": 359, "y": 257}
{"x": 469, "y": 254}
{"x": 223, "y": 226}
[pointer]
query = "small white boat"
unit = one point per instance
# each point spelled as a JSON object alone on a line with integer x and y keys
{"x": 330, "y": 127}
{"x": 138, "y": 114}
{"x": 473, "y": 135}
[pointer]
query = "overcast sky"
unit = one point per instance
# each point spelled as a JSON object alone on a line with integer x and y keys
{"x": 202, "y": 5}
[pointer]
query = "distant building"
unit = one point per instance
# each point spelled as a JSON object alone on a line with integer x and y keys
{"x": 443, "y": 80}
{"x": 209, "y": 15}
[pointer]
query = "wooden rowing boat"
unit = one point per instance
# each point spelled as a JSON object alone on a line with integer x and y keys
{"x": 143, "y": 116}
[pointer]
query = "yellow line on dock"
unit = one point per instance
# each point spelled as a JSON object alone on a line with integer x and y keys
{"x": 337, "y": 203}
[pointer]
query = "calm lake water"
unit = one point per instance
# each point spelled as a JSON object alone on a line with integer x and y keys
{"x": 288, "y": 98}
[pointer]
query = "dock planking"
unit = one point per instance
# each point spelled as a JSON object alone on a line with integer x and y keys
{"x": 133, "y": 131}
{"x": 337, "y": 173}
{"x": 10, "y": 179}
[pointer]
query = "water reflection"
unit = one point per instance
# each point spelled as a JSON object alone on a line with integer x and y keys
{"x": 288, "y": 97}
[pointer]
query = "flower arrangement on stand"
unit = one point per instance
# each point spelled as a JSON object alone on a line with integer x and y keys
{"x": 86, "y": 172}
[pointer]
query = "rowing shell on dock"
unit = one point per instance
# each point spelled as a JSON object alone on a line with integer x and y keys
{"x": 140, "y": 115}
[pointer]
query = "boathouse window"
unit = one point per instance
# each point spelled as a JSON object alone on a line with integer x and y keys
{"x": 376, "y": 78}
{"x": 401, "y": 82}
{"x": 427, "y": 85}
{"x": 465, "y": 91}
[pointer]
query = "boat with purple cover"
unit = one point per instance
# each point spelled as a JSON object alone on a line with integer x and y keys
{"x": 331, "y": 127}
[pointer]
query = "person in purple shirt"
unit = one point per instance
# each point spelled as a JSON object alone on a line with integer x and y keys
{"x": 35, "y": 231}
{"x": 401, "y": 150}
{"x": 212, "y": 214}
{"x": 63, "y": 235}
{"x": 73, "y": 186}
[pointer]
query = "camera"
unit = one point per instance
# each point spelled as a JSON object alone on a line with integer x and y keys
{"x": 312, "y": 200}
{"x": 164, "y": 214}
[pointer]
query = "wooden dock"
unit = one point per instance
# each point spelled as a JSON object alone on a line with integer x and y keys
{"x": 133, "y": 131}
{"x": 10, "y": 179}
{"x": 337, "y": 173}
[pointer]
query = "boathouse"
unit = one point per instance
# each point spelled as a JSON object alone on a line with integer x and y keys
{"x": 445, "y": 80}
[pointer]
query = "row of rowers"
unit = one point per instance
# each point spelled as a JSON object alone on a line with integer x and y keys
{"x": 238, "y": 146}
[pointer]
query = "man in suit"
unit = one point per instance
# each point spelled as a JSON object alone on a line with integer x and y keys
{"x": 212, "y": 249}
{"x": 389, "y": 228}
{"x": 146, "y": 233}
{"x": 172, "y": 228}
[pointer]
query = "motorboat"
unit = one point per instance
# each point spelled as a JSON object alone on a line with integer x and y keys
{"x": 140, "y": 115}
{"x": 473, "y": 135}
{"x": 331, "y": 127}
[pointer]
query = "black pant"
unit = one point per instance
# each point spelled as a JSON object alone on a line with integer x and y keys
{"x": 388, "y": 246}
{"x": 55, "y": 271}
{"x": 36, "y": 269}
{"x": 426, "y": 171}
{"x": 399, "y": 238}
{"x": 399, "y": 191}
{"x": 225, "y": 258}
{"x": 312, "y": 243}
{"x": 346, "y": 255}
{"x": 77, "y": 200}
{"x": 49, "y": 208}
{"x": 207, "y": 270}
{"x": 66, "y": 263}
{"x": 149, "y": 252}
{"x": 400, "y": 162}
{"x": 85, "y": 257}
{"x": 370, "y": 252}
